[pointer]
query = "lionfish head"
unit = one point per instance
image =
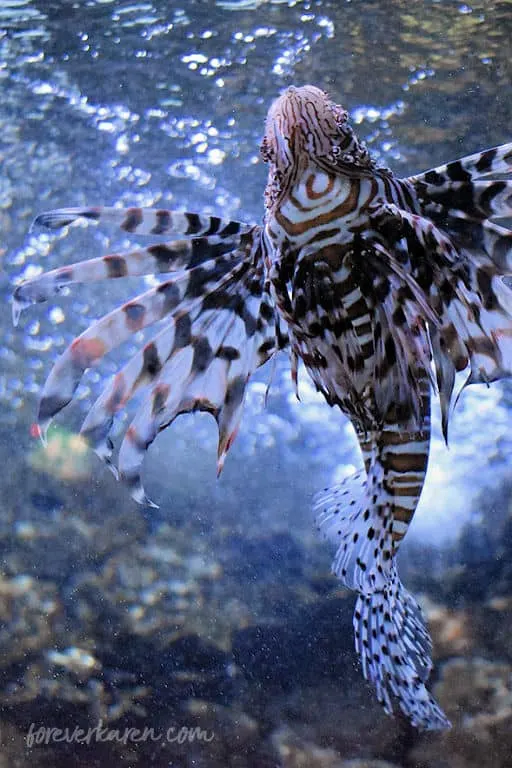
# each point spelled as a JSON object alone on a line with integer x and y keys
{"x": 301, "y": 121}
{"x": 304, "y": 125}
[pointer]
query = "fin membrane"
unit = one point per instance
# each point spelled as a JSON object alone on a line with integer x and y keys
{"x": 395, "y": 651}
{"x": 349, "y": 516}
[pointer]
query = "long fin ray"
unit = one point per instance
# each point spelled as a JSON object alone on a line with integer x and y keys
{"x": 470, "y": 200}
{"x": 490, "y": 161}
{"x": 145, "y": 221}
{"x": 144, "y": 368}
{"x": 468, "y": 295}
{"x": 102, "y": 337}
{"x": 185, "y": 290}
{"x": 218, "y": 385}
{"x": 158, "y": 259}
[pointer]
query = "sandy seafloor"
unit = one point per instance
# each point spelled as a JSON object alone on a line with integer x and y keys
{"x": 217, "y": 611}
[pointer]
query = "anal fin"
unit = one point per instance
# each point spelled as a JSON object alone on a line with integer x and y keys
{"x": 356, "y": 516}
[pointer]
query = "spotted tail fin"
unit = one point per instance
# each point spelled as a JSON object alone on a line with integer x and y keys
{"x": 390, "y": 635}
{"x": 217, "y": 324}
{"x": 394, "y": 647}
{"x": 367, "y": 516}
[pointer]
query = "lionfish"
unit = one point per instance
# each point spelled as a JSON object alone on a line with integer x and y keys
{"x": 384, "y": 287}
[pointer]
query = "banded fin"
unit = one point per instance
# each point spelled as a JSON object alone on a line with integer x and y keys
{"x": 103, "y": 336}
{"x": 473, "y": 200}
{"x": 395, "y": 651}
{"x": 145, "y": 221}
{"x": 490, "y": 161}
{"x": 475, "y": 304}
{"x": 402, "y": 316}
{"x": 465, "y": 290}
{"x": 218, "y": 388}
{"x": 219, "y": 325}
{"x": 483, "y": 243}
{"x": 156, "y": 259}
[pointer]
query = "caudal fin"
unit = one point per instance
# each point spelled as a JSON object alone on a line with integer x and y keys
{"x": 395, "y": 651}
{"x": 346, "y": 516}
{"x": 390, "y": 634}
{"x": 367, "y": 516}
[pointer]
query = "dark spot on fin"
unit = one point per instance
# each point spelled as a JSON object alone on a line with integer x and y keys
{"x": 485, "y": 161}
{"x": 132, "y": 220}
{"x": 116, "y": 266}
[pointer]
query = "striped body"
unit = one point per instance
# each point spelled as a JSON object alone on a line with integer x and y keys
{"x": 316, "y": 265}
{"x": 385, "y": 288}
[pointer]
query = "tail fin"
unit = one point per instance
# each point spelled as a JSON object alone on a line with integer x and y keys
{"x": 367, "y": 516}
{"x": 395, "y": 651}
{"x": 390, "y": 636}
{"x": 346, "y": 516}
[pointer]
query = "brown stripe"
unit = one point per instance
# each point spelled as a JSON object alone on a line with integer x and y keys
{"x": 323, "y": 235}
{"x": 305, "y": 208}
{"x": 367, "y": 349}
{"x": 371, "y": 197}
{"x": 346, "y": 286}
{"x": 343, "y": 209}
{"x": 404, "y": 490}
{"x": 133, "y": 219}
{"x": 332, "y": 255}
{"x": 392, "y": 437}
{"x": 411, "y": 478}
{"x": 317, "y": 195}
{"x": 357, "y": 309}
{"x": 116, "y": 265}
{"x": 363, "y": 329}
{"x": 402, "y": 514}
{"x": 405, "y": 462}
{"x": 410, "y": 485}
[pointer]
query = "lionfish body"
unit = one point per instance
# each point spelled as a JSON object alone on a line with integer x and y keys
{"x": 385, "y": 288}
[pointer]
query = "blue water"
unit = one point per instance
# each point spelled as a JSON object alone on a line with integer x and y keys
{"x": 163, "y": 103}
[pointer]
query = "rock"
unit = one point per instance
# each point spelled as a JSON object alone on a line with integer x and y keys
{"x": 476, "y": 695}
{"x": 296, "y": 752}
{"x": 29, "y": 613}
{"x": 452, "y": 630}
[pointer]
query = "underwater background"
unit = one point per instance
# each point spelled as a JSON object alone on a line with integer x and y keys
{"x": 213, "y": 621}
